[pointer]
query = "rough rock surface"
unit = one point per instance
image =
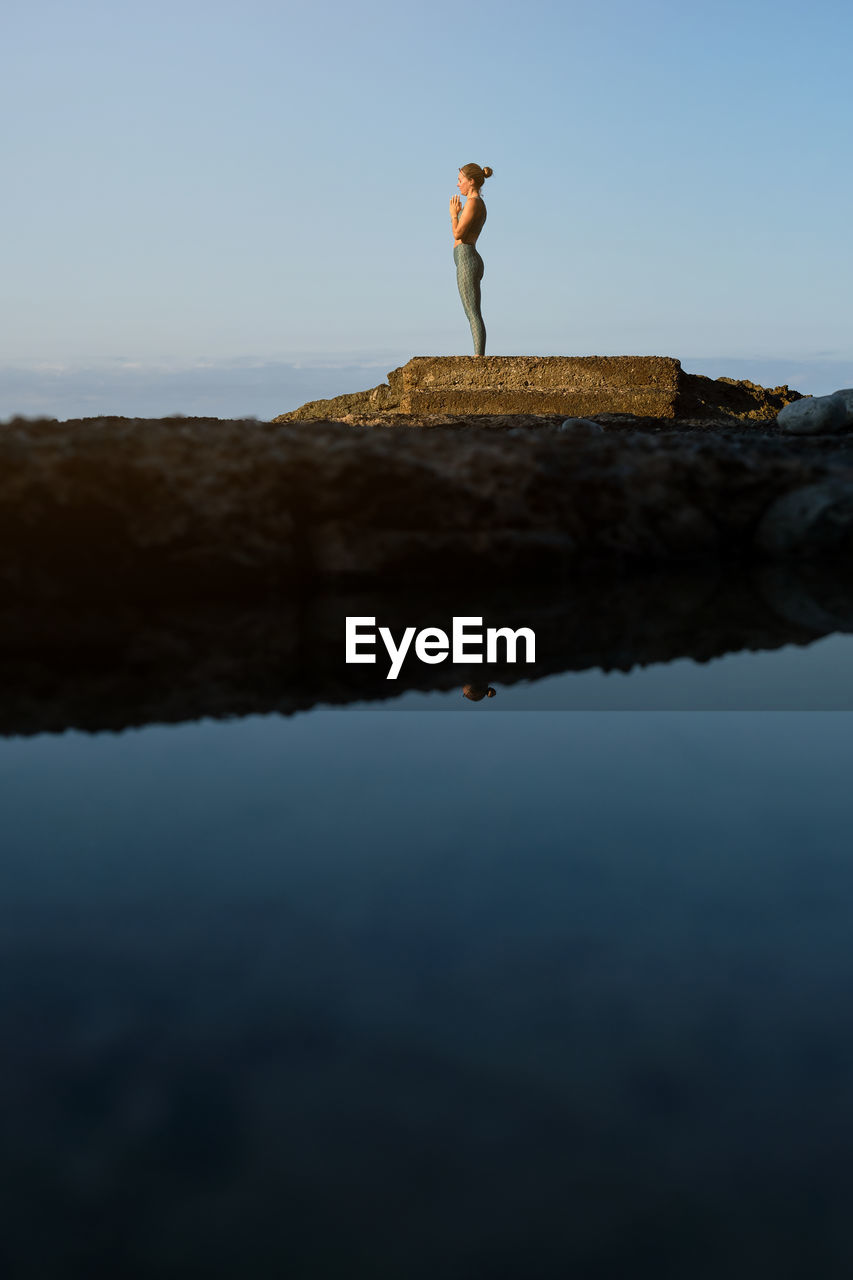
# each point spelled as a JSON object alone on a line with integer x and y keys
{"x": 818, "y": 415}
{"x": 583, "y": 426}
{"x": 385, "y": 397}
{"x": 693, "y": 396}
{"x": 745, "y": 401}
{"x": 204, "y": 506}
{"x": 646, "y": 386}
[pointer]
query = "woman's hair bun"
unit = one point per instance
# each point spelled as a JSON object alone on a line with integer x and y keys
{"x": 487, "y": 172}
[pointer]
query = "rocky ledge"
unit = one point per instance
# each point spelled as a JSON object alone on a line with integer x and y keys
{"x": 188, "y": 507}
{"x": 441, "y": 388}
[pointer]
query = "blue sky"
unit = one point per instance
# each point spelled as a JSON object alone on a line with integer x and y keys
{"x": 262, "y": 188}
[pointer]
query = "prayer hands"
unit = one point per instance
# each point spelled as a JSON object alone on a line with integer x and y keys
{"x": 455, "y": 206}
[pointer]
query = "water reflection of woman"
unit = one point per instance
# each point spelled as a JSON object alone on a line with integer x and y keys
{"x": 477, "y": 692}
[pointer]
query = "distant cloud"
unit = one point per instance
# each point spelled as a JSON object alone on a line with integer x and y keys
{"x": 245, "y": 386}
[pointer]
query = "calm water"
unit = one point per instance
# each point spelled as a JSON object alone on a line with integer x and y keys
{"x": 349, "y": 993}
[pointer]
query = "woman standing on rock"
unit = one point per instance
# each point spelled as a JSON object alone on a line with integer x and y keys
{"x": 466, "y": 227}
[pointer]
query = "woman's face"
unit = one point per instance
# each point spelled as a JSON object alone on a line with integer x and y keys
{"x": 465, "y": 185}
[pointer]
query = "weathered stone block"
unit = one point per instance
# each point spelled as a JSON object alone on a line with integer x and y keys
{"x": 551, "y": 386}
{"x": 647, "y": 386}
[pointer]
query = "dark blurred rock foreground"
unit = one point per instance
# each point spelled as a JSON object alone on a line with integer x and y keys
{"x": 182, "y": 508}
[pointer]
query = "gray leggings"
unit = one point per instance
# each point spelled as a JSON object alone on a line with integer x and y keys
{"x": 469, "y": 273}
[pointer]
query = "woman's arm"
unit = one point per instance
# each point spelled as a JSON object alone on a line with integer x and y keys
{"x": 459, "y": 224}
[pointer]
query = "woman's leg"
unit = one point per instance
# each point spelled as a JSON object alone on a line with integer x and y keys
{"x": 469, "y": 272}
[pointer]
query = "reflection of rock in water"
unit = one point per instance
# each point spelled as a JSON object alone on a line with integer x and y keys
{"x": 73, "y": 666}
{"x": 811, "y": 520}
{"x": 813, "y": 596}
